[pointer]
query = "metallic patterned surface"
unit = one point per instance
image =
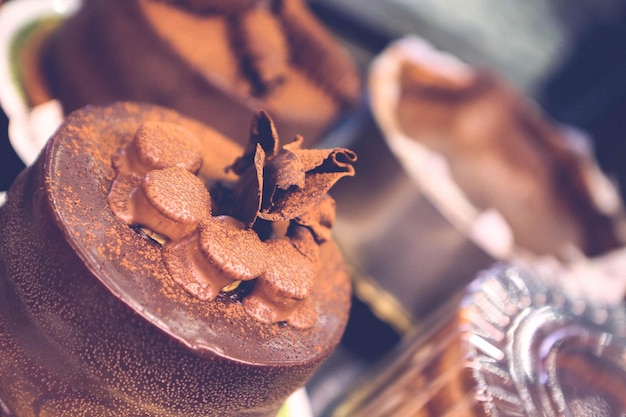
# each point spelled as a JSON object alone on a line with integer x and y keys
{"x": 536, "y": 352}
{"x": 511, "y": 345}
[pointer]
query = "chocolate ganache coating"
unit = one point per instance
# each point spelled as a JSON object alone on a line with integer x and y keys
{"x": 95, "y": 321}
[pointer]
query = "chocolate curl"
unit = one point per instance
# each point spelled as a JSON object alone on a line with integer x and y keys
{"x": 248, "y": 192}
{"x": 263, "y": 133}
{"x": 323, "y": 168}
{"x": 319, "y": 219}
{"x": 288, "y": 182}
{"x": 282, "y": 173}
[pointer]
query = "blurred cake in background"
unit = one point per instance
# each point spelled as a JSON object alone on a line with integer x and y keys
{"x": 451, "y": 123}
{"x": 216, "y": 61}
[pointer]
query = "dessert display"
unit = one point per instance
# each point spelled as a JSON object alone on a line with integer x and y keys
{"x": 151, "y": 266}
{"x": 469, "y": 171}
{"x": 517, "y": 341}
{"x": 216, "y": 61}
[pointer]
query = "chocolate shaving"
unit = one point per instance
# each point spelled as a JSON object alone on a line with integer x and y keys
{"x": 248, "y": 193}
{"x": 262, "y": 132}
{"x": 294, "y": 179}
{"x": 285, "y": 170}
{"x": 295, "y": 201}
{"x": 319, "y": 219}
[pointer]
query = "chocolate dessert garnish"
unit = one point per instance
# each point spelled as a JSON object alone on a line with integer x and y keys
{"x": 289, "y": 180}
{"x": 171, "y": 202}
{"x": 282, "y": 292}
{"x": 158, "y": 145}
{"x": 143, "y": 190}
{"x": 320, "y": 219}
{"x": 220, "y": 253}
{"x": 208, "y": 254}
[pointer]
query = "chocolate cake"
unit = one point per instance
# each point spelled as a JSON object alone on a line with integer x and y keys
{"x": 151, "y": 267}
{"x": 217, "y": 61}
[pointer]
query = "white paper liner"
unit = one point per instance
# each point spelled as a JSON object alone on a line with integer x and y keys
{"x": 297, "y": 405}
{"x": 29, "y": 128}
{"x": 430, "y": 172}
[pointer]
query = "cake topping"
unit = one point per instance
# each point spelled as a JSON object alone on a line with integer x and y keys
{"x": 263, "y": 230}
{"x": 151, "y": 170}
{"x": 159, "y": 145}
{"x": 281, "y": 292}
{"x": 286, "y": 182}
{"x": 171, "y": 202}
{"x": 216, "y": 258}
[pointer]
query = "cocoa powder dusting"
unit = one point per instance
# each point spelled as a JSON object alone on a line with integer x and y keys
{"x": 208, "y": 255}
{"x": 177, "y": 194}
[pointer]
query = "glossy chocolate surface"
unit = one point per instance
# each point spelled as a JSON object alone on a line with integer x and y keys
{"x": 91, "y": 320}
